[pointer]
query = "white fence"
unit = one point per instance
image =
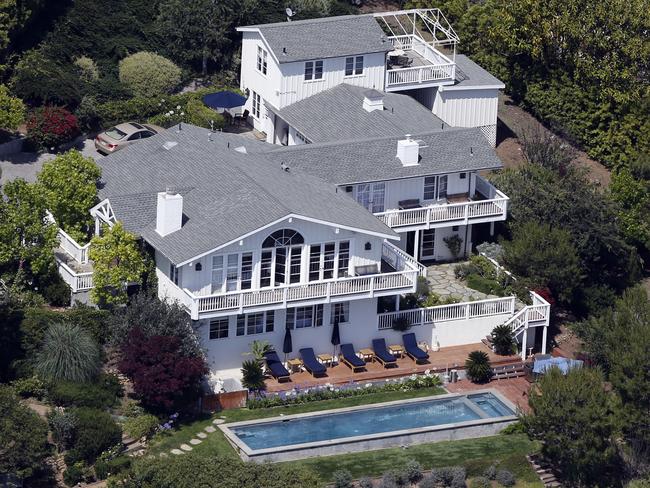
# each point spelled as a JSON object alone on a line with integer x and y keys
{"x": 72, "y": 248}
{"x": 443, "y": 313}
{"x": 400, "y": 260}
{"x": 76, "y": 281}
{"x": 441, "y": 67}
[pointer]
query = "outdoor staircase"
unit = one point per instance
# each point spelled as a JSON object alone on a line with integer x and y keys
{"x": 509, "y": 371}
{"x": 544, "y": 471}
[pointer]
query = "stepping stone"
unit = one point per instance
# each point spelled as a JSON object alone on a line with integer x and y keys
{"x": 210, "y": 429}
{"x": 201, "y": 435}
{"x": 185, "y": 447}
{"x": 218, "y": 421}
{"x": 176, "y": 451}
{"x": 194, "y": 442}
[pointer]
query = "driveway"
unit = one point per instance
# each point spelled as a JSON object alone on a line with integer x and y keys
{"x": 27, "y": 165}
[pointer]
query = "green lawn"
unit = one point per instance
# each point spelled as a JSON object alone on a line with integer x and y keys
{"x": 474, "y": 454}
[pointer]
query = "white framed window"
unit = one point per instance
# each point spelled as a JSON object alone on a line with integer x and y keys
{"x": 340, "y": 313}
{"x": 217, "y": 274}
{"x": 301, "y": 137}
{"x": 255, "y": 323}
{"x": 232, "y": 272}
{"x": 371, "y": 196}
{"x": 428, "y": 248}
{"x": 262, "y": 61}
{"x": 430, "y": 187}
{"x": 257, "y": 103}
{"x": 313, "y": 70}
{"x": 219, "y": 328}
{"x": 354, "y": 66}
{"x": 329, "y": 260}
{"x": 304, "y": 317}
{"x": 174, "y": 273}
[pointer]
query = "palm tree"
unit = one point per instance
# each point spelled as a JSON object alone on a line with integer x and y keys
{"x": 503, "y": 340}
{"x": 252, "y": 375}
{"x": 68, "y": 353}
{"x": 477, "y": 367}
{"x": 259, "y": 349}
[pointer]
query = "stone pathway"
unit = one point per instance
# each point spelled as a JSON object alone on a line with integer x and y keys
{"x": 442, "y": 281}
{"x": 195, "y": 441}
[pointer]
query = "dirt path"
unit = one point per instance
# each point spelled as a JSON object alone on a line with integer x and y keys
{"x": 513, "y": 121}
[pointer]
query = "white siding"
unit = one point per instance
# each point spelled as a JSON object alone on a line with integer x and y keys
{"x": 294, "y": 87}
{"x": 467, "y": 108}
{"x": 411, "y": 188}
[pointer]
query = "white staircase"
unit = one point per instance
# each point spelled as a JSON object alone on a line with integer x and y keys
{"x": 535, "y": 315}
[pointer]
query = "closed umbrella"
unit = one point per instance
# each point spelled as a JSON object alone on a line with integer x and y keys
{"x": 336, "y": 336}
{"x": 287, "y": 346}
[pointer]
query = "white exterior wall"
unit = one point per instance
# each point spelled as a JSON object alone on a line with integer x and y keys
{"x": 410, "y": 188}
{"x": 467, "y": 108}
{"x": 293, "y": 86}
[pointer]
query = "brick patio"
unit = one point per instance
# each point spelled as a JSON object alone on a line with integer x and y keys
{"x": 446, "y": 357}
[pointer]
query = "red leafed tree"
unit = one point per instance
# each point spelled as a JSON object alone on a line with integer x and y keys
{"x": 162, "y": 377}
{"x": 49, "y": 126}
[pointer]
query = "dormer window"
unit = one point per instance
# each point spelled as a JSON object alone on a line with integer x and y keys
{"x": 354, "y": 66}
{"x": 262, "y": 56}
{"x": 313, "y": 70}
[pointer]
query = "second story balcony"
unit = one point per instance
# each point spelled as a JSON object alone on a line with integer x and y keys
{"x": 487, "y": 204}
{"x": 398, "y": 274}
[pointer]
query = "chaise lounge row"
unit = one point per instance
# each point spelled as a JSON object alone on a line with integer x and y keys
{"x": 348, "y": 356}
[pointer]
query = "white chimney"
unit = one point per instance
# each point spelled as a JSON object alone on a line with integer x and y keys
{"x": 408, "y": 151}
{"x": 373, "y": 100}
{"x": 169, "y": 212}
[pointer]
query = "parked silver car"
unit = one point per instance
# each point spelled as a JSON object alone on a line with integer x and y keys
{"x": 122, "y": 135}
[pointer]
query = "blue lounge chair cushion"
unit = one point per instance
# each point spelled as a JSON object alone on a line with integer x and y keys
{"x": 275, "y": 365}
{"x": 412, "y": 348}
{"x": 310, "y": 362}
{"x": 382, "y": 352}
{"x": 350, "y": 356}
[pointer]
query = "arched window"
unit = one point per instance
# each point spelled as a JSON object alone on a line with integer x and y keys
{"x": 282, "y": 238}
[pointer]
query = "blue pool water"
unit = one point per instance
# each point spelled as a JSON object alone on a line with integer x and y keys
{"x": 390, "y": 418}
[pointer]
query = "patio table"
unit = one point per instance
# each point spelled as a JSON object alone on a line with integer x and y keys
{"x": 326, "y": 359}
{"x": 396, "y": 350}
{"x": 367, "y": 354}
{"x": 295, "y": 365}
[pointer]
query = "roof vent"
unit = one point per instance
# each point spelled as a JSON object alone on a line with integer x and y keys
{"x": 241, "y": 149}
{"x": 169, "y": 144}
{"x": 284, "y": 167}
{"x": 408, "y": 151}
{"x": 373, "y": 100}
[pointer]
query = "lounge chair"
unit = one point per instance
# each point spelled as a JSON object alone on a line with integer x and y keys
{"x": 310, "y": 362}
{"x": 412, "y": 348}
{"x": 277, "y": 369}
{"x": 349, "y": 357}
{"x": 382, "y": 354}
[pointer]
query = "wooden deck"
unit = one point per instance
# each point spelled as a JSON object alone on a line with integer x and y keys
{"x": 514, "y": 389}
{"x": 447, "y": 357}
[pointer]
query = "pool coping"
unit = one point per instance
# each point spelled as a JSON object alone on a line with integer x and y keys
{"x": 272, "y": 453}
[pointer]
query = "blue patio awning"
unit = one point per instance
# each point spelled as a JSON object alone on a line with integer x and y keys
{"x": 564, "y": 364}
{"x": 224, "y": 99}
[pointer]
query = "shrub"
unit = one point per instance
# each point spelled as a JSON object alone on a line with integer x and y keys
{"x": 366, "y": 482}
{"x": 480, "y": 482}
{"x": 148, "y": 74}
{"x": 96, "y": 431}
{"x": 413, "y": 471}
{"x": 516, "y": 428}
{"x": 505, "y": 478}
{"x": 388, "y": 481}
{"x": 87, "y": 114}
{"x": 477, "y": 367}
{"x": 74, "y": 474}
{"x": 429, "y": 482}
{"x": 141, "y": 426}
{"x": 88, "y": 70}
{"x": 491, "y": 472}
{"x": 68, "y": 353}
{"x": 253, "y": 375}
{"x": 57, "y": 294}
{"x": 453, "y": 244}
{"x": 12, "y": 110}
{"x": 193, "y": 112}
{"x": 63, "y": 425}
{"x": 342, "y": 479}
{"x": 99, "y": 394}
{"x": 503, "y": 340}
{"x": 29, "y": 387}
{"x": 106, "y": 468}
{"x": 48, "y": 127}
{"x": 453, "y": 476}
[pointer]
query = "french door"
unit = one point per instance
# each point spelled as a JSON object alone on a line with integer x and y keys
{"x": 371, "y": 196}
{"x": 428, "y": 245}
{"x": 280, "y": 266}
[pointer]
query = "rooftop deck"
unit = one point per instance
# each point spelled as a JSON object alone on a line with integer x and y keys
{"x": 446, "y": 357}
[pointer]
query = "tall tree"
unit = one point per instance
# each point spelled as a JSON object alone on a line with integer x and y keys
{"x": 12, "y": 110}
{"x": 117, "y": 261}
{"x": 572, "y": 415}
{"x": 27, "y": 237}
{"x": 69, "y": 185}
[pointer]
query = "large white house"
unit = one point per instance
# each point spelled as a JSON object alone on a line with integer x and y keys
{"x": 382, "y": 166}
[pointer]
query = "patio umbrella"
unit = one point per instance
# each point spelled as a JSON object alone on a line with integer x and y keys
{"x": 224, "y": 100}
{"x": 336, "y": 336}
{"x": 564, "y": 364}
{"x": 287, "y": 346}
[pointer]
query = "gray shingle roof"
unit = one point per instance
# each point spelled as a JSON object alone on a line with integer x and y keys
{"x": 449, "y": 151}
{"x": 226, "y": 194}
{"x": 470, "y": 74}
{"x": 328, "y": 37}
{"x": 338, "y": 114}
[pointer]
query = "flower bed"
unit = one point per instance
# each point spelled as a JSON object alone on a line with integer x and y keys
{"x": 330, "y": 392}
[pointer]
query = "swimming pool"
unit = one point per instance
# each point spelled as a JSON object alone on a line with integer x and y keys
{"x": 371, "y": 426}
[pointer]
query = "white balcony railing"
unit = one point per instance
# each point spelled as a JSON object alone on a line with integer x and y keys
{"x": 76, "y": 281}
{"x": 400, "y": 260}
{"x": 451, "y": 214}
{"x": 436, "y": 65}
{"x": 72, "y": 248}
{"x": 443, "y": 313}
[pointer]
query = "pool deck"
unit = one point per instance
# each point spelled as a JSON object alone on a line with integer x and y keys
{"x": 446, "y": 357}
{"x": 514, "y": 389}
